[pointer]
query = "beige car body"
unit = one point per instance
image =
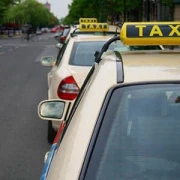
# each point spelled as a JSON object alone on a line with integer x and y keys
{"x": 64, "y": 69}
{"x": 141, "y": 66}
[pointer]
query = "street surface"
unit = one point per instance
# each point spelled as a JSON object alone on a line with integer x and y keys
{"x": 23, "y": 84}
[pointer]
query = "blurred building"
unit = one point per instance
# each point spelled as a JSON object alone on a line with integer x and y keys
{"x": 149, "y": 10}
{"x": 176, "y": 13}
{"x": 158, "y": 10}
{"x": 48, "y": 6}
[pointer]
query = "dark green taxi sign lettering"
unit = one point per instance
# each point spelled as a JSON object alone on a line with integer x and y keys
{"x": 88, "y": 20}
{"x": 94, "y": 27}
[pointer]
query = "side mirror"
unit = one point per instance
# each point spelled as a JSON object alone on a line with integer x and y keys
{"x": 54, "y": 110}
{"x": 48, "y": 61}
{"x": 59, "y": 45}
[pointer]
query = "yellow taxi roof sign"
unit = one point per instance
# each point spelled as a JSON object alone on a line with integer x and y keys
{"x": 97, "y": 27}
{"x": 150, "y": 33}
{"x": 88, "y": 20}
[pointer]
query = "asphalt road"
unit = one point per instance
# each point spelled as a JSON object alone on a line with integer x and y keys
{"x": 23, "y": 84}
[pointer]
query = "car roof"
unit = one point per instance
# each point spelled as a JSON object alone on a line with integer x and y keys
{"x": 148, "y": 66}
{"x": 90, "y": 37}
{"x": 151, "y": 66}
{"x": 73, "y": 147}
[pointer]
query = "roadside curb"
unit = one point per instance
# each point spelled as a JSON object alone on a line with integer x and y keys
{"x": 6, "y": 37}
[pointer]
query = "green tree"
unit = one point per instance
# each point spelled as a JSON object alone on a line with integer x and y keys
{"x": 103, "y": 10}
{"x": 31, "y": 12}
{"x": 4, "y": 6}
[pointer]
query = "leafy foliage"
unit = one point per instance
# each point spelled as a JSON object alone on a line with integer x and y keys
{"x": 29, "y": 11}
{"x": 100, "y": 9}
{"x": 4, "y": 6}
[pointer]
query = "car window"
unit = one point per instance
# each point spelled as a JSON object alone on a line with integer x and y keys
{"x": 83, "y": 52}
{"x": 66, "y": 31}
{"x": 139, "y": 135}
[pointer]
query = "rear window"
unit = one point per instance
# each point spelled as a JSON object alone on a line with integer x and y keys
{"x": 65, "y": 31}
{"x": 83, "y": 52}
{"x": 139, "y": 136}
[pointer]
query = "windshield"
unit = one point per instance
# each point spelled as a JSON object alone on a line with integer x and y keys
{"x": 83, "y": 52}
{"x": 139, "y": 136}
{"x": 66, "y": 31}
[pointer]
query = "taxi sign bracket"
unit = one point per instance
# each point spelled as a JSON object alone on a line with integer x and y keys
{"x": 105, "y": 48}
{"x": 73, "y": 33}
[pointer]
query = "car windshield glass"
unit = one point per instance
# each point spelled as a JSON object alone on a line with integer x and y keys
{"x": 66, "y": 31}
{"x": 83, "y": 52}
{"x": 139, "y": 135}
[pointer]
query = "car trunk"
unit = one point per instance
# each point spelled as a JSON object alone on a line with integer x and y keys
{"x": 79, "y": 73}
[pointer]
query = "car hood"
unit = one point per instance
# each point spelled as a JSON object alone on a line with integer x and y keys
{"x": 79, "y": 73}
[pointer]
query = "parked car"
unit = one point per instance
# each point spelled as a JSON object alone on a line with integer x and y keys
{"x": 69, "y": 70}
{"x": 38, "y": 31}
{"x": 53, "y": 30}
{"x": 45, "y": 30}
{"x": 72, "y": 65}
{"x": 61, "y": 36}
{"x": 122, "y": 124}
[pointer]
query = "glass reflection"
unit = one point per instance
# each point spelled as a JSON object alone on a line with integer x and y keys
{"x": 52, "y": 109}
{"x": 47, "y": 60}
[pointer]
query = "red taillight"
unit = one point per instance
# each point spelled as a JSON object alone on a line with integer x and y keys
{"x": 68, "y": 89}
{"x": 62, "y": 39}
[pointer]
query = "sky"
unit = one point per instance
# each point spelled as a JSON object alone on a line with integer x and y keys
{"x": 58, "y": 7}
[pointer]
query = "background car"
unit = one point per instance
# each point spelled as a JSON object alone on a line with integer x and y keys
{"x": 45, "y": 30}
{"x": 38, "y": 31}
{"x": 69, "y": 71}
{"x": 61, "y": 36}
{"x": 53, "y": 30}
{"x": 122, "y": 124}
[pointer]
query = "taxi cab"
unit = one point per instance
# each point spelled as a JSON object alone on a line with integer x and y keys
{"x": 124, "y": 123}
{"x": 74, "y": 61}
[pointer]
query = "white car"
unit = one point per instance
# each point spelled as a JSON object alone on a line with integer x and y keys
{"x": 124, "y": 123}
{"x": 38, "y": 31}
{"x": 72, "y": 65}
{"x": 70, "y": 69}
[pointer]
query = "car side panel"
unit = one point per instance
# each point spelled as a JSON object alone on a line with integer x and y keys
{"x": 72, "y": 150}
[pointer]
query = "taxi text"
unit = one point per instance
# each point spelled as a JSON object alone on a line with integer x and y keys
{"x": 88, "y": 20}
{"x": 161, "y": 30}
{"x": 94, "y": 26}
